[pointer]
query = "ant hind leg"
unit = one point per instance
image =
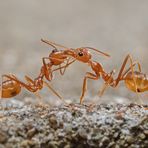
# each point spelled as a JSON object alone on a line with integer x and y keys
{"x": 54, "y": 91}
{"x": 122, "y": 76}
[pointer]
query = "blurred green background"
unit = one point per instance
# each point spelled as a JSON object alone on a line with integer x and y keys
{"x": 116, "y": 27}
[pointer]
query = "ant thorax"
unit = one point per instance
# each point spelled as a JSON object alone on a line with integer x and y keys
{"x": 57, "y": 58}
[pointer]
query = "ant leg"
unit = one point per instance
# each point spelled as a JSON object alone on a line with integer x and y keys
{"x": 134, "y": 64}
{"x": 139, "y": 69}
{"x": 1, "y": 87}
{"x": 134, "y": 79}
{"x": 87, "y": 76}
{"x": 28, "y": 86}
{"x": 65, "y": 66}
{"x": 47, "y": 67}
{"x": 31, "y": 87}
{"x": 36, "y": 82}
{"x": 106, "y": 84}
{"x": 120, "y": 75}
{"x": 54, "y": 91}
{"x": 39, "y": 86}
{"x": 118, "y": 78}
{"x": 64, "y": 69}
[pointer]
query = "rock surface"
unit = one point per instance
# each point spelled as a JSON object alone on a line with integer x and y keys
{"x": 79, "y": 126}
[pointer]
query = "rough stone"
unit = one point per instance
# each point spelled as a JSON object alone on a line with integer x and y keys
{"x": 74, "y": 126}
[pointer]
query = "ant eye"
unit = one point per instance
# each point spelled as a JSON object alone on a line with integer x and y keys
{"x": 54, "y": 50}
{"x": 80, "y": 54}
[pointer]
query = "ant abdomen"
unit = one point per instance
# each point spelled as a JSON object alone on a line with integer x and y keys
{"x": 136, "y": 81}
{"x": 10, "y": 89}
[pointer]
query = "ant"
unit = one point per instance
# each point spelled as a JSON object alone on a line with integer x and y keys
{"x": 134, "y": 80}
{"x": 12, "y": 85}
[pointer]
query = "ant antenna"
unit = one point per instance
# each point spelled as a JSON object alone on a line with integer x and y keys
{"x": 103, "y": 53}
{"x": 52, "y": 44}
{"x": 49, "y": 43}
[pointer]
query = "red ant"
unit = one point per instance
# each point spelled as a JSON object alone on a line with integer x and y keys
{"x": 134, "y": 80}
{"x": 12, "y": 85}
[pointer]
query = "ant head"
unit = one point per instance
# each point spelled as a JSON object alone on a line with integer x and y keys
{"x": 82, "y": 54}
